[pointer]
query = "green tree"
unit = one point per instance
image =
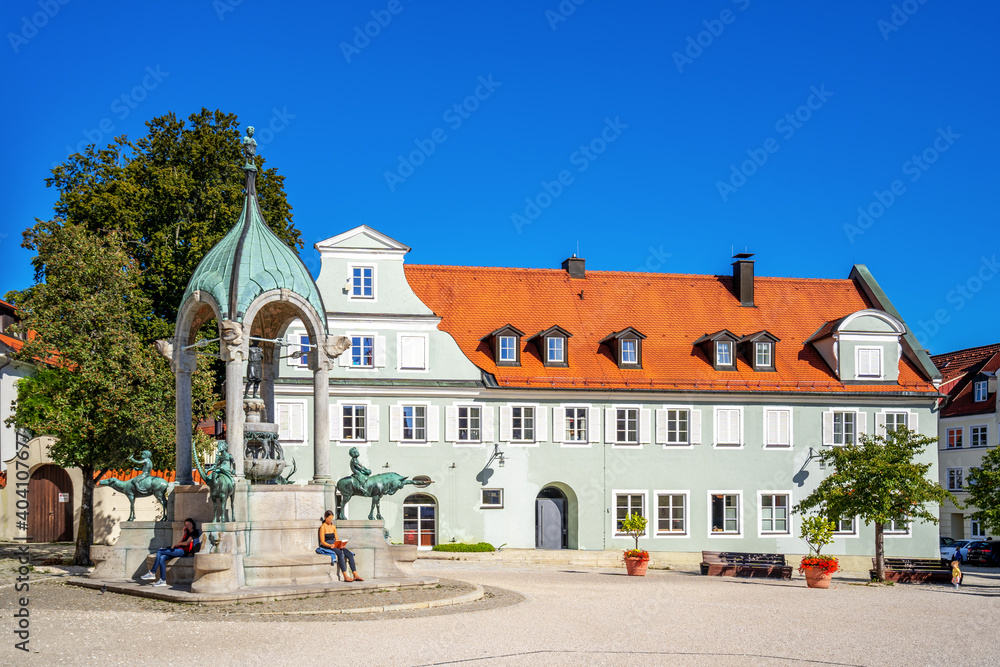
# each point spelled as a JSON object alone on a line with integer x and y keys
{"x": 99, "y": 387}
{"x": 172, "y": 195}
{"x": 878, "y": 479}
{"x": 983, "y": 485}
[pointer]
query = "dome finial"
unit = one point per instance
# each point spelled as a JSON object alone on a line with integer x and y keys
{"x": 250, "y": 152}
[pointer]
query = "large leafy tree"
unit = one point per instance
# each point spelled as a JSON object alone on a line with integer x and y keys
{"x": 983, "y": 485}
{"x": 878, "y": 479}
{"x": 100, "y": 388}
{"x": 171, "y": 195}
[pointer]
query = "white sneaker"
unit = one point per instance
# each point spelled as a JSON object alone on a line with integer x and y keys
{"x": 149, "y": 576}
{"x": 159, "y": 582}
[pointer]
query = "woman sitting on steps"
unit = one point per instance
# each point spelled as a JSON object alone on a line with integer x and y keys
{"x": 327, "y": 540}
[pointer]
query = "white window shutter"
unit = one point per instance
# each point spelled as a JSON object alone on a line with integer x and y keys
{"x": 736, "y": 426}
{"x": 372, "y": 422}
{"x": 558, "y": 424}
{"x": 541, "y": 424}
{"x": 336, "y": 422}
{"x": 284, "y": 422}
{"x": 771, "y": 425}
{"x": 644, "y": 417}
{"x": 784, "y": 436}
{"x": 506, "y": 416}
{"x": 721, "y": 425}
{"x": 880, "y": 423}
{"x": 395, "y": 423}
{"x": 380, "y": 351}
{"x": 297, "y": 422}
{"x": 661, "y": 427}
{"x": 609, "y": 425}
{"x": 487, "y": 414}
{"x": 695, "y": 427}
{"x": 594, "y": 424}
{"x": 433, "y": 423}
{"x": 345, "y": 358}
{"x": 911, "y": 421}
{"x": 861, "y": 419}
{"x": 450, "y": 423}
{"x": 864, "y": 366}
{"x": 828, "y": 428}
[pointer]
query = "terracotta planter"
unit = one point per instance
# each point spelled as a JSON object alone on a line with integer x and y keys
{"x": 636, "y": 567}
{"x": 817, "y": 578}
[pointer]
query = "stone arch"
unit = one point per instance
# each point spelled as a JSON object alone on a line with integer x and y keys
{"x": 572, "y": 512}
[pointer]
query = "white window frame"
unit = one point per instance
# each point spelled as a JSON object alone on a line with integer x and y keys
{"x": 614, "y": 510}
{"x": 791, "y": 439}
{"x": 458, "y": 430}
{"x": 350, "y": 350}
{"x": 535, "y": 409}
{"x": 715, "y": 427}
{"x": 430, "y": 433}
{"x": 666, "y": 425}
{"x": 560, "y": 347}
{"x": 768, "y": 349}
{"x": 589, "y": 412}
{"x": 354, "y": 416}
{"x": 635, "y": 351}
{"x": 853, "y": 532}
{"x": 986, "y": 435}
{"x": 656, "y": 518}
{"x": 760, "y": 514}
{"x": 879, "y": 353}
{"x": 886, "y": 532}
{"x": 729, "y": 353}
{"x": 860, "y": 425}
{"x": 403, "y": 440}
{"x": 886, "y": 413}
{"x": 305, "y": 421}
{"x": 976, "y": 529}
{"x": 739, "y": 515}
{"x": 500, "y": 349}
{"x": 953, "y": 475}
{"x": 297, "y": 335}
{"x": 694, "y": 417}
{"x": 960, "y": 430}
{"x": 482, "y": 499}
{"x": 637, "y": 444}
{"x": 399, "y": 352}
{"x": 979, "y": 390}
{"x": 372, "y": 423}
{"x": 362, "y": 297}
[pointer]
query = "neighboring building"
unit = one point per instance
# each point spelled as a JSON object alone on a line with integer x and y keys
{"x": 969, "y": 427}
{"x": 548, "y": 404}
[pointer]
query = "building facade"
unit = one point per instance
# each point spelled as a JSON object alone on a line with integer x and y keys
{"x": 546, "y": 404}
{"x": 969, "y": 427}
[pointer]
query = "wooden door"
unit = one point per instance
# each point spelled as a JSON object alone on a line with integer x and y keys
{"x": 50, "y": 510}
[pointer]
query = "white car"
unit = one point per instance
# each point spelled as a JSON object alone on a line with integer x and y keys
{"x": 958, "y": 550}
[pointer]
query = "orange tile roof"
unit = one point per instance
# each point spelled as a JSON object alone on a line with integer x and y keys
{"x": 15, "y": 344}
{"x": 672, "y": 310}
{"x": 958, "y": 369}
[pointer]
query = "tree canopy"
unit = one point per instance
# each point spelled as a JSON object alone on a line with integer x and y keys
{"x": 983, "y": 485}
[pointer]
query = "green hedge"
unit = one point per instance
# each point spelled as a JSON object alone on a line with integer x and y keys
{"x": 482, "y": 546}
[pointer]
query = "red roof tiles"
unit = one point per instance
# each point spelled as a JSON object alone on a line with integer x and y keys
{"x": 958, "y": 369}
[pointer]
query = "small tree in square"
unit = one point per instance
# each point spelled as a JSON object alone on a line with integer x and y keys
{"x": 634, "y": 525}
{"x": 983, "y": 485}
{"x": 877, "y": 479}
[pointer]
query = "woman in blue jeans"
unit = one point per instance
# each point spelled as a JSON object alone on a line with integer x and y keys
{"x": 327, "y": 541}
{"x": 190, "y": 544}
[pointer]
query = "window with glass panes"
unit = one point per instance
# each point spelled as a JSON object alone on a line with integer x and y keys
{"x": 354, "y": 422}
{"x": 723, "y": 353}
{"x": 980, "y": 391}
{"x": 844, "y": 427}
{"x": 362, "y": 282}
{"x": 522, "y": 423}
{"x": 556, "y": 349}
{"x": 773, "y": 513}
{"x": 627, "y": 504}
{"x": 576, "y": 424}
{"x": 955, "y": 479}
{"x": 954, "y": 438}
{"x": 896, "y": 526}
{"x": 677, "y": 427}
{"x": 508, "y": 348}
{"x": 469, "y": 418}
{"x": 304, "y": 350}
{"x": 894, "y": 420}
{"x": 726, "y": 513}
{"x": 763, "y": 354}
{"x": 492, "y": 498}
{"x": 627, "y": 426}
{"x": 630, "y": 351}
{"x": 978, "y": 436}
{"x": 363, "y": 351}
{"x": 845, "y": 526}
{"x": 670, "y": 513}
{"x": 976, "y": 529}
{"x": 415, "y": 423}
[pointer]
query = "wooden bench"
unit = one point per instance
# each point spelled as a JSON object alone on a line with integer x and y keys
{"x": 736, "y": 564}
{"x": 915, "y": 570}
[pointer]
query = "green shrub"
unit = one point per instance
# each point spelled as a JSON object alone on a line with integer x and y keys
{"x": 481, "y": 546}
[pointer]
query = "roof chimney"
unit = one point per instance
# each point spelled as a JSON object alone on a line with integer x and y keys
{"x": 743, "y": 278}
{"x": 575, "y": 266}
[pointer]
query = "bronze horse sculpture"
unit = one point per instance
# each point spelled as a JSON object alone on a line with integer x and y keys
{"x": 156, "y": 487}
{"x": 221, "y": 484}
{"x": 376, "y": 486}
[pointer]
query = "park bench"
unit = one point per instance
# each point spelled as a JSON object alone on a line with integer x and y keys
{"x": 915, "y": 570}
{"x": 736, "y": 564}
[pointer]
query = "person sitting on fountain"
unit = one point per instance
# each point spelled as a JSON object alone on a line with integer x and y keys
{"x": 146, "y": 463}
{"x": 189, "y": 545}
{"x": 358, "y": 471}
{"x": 327, "y": 542}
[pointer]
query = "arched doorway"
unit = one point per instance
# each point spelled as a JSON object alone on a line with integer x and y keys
{"x": 420, "y": 521}
{"x": 551, "y": 526}
{"x": 50, "y": 514}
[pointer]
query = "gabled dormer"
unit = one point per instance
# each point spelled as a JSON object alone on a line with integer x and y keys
{"x": 506, "y": 344}
{"x": 720, "y": 349}
{"x": 984, "y": 384}
{"x": 758, "y": 350}
{"x": 626, "y": 347}
{"x": 862, "y": 348}
{"x": 553, "y": 346}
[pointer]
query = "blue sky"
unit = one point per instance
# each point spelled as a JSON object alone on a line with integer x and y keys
{"x": 656, "y": 135}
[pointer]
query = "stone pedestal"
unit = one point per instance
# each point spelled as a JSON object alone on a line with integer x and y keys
{"x": 127, "y": 558}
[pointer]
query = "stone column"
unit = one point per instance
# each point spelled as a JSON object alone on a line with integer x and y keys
{"x": 183, "y": 368}
{"x": 234, "y": 351}
{"x": 321, "y": 416}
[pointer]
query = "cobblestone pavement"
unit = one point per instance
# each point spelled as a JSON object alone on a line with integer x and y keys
{"x": 558, "y": 615}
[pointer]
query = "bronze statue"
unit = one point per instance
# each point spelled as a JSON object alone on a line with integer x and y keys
{"x": 250, "y": 148}
{"x": 154, "y": 486}
{"x": 222, "y": 482}
{"x": 145, "y": 463}
{"x": 363, "y": 483}
{"x": 255, "y": 370}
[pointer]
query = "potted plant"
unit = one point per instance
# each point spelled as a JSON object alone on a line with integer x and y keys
{"x": 636, "y": 560}
{"x": 817, "y": 532}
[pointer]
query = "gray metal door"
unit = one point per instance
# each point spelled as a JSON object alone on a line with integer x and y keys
{"x": 549, "y": 522}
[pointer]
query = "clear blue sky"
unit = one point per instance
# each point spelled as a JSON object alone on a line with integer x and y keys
{"x": 889, "y": 88}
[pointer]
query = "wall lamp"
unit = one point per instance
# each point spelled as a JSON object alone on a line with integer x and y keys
{"x": 497, "y": 455}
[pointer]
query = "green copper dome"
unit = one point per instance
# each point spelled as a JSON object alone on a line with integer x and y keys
{"x": 249, "y": 261}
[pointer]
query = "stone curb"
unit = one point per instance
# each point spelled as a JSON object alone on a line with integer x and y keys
{"x": 472, "y": 596}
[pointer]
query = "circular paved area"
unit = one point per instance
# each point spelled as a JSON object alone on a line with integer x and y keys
{"x": 553, "y": 615}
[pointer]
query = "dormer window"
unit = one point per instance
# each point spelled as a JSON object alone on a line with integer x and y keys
{"x": 552, "y": 345}
{"x": 626, "y": 346}
{"x": 506, "y": 343}
{"x": 758, "y": 350}
{"x": 719, "y": 349}
{"x": 723, "y": 353}
{"x": 363, "y": 282}
{"x": 979, "y": 391}
{"x": 762, "y": 354}
{"x": 869, "y": 363}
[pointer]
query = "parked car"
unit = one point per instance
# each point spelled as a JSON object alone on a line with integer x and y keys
{"x": 984, "y": 553}
{"x": 959, "y": 550}
{"x": 947, "y": 541}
